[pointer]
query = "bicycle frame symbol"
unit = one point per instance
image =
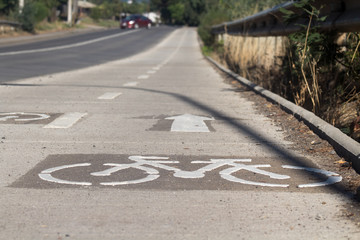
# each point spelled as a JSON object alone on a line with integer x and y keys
{"x": 150, "y": 164}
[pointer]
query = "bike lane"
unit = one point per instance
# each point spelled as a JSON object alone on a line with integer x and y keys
{"x": 170, "y": 106}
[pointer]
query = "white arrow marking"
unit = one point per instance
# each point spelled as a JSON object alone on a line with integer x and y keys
{"x": 189, "y": 123}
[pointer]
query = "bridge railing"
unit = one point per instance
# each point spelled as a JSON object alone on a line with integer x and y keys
{"x": 10, "y": 23}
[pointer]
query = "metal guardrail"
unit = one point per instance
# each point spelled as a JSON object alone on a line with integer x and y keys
{"x": 342, "y": 16}
{"x": 10, "y": 23}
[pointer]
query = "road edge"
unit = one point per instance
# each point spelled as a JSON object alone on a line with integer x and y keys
{"x": 343, "y": 144}
{"x": 17, "y": 40}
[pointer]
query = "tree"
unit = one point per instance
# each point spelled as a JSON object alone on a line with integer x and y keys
{"x": 7, "y": 6}
{"x": 193, "y": 11}
{"x": 177, "y": 13}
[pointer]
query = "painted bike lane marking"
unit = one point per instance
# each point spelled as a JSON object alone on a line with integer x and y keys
{"x": 67, "y": 120}
{"x": 189, "y": 123}
{"x": 109, "y": 96}
{"x": 23, "y": 116}
{"x": 172, "y": 172}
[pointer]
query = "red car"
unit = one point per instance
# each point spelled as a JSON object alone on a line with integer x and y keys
{"x": 135, "y": 21}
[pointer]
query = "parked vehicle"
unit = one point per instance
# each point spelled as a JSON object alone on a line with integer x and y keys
{"x": 135, "y": 21}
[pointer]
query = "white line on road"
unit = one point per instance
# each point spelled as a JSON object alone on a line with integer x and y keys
{"x": 143, "y": 77}
{"x": 66, "y": 121}
{"x": 66, "y": 46}
{"x": 131, "y": 84}
{"x": 109, "y": 95}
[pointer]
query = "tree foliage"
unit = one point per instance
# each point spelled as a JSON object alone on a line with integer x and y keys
{"x": 7, "y": 7}
{"x": 32, "y": 13}
{"x": 190, "y": 12}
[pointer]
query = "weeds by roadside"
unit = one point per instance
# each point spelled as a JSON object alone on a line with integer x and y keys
{"x": 319, "y": 71}
{"x": 46, "y": 27}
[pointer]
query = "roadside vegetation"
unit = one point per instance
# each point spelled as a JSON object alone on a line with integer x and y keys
{"x": 319, "y": 71}
{"x": 51, "y": 15}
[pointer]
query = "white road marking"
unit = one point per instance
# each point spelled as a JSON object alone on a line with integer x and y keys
{"x": 131, "y": 84}
{"x": 151, "y": 71}
{"x": 143, "y": 77}
{"x": 227, "y": 174}
{"x": 109, "y": 95}
{"x": 66, "y": 46}
{"x": 153, "y": 162}
{"x": 66, "y": 121}
{"x": 332, "y": 177}
{"x": 189, "y": 123}
{"x": 152, "y": 175}
{"x": 46, "y": 174}
{"x": 17, "y": 115}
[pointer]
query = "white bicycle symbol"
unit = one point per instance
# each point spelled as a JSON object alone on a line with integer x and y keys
{"x": 19, "y": 116}
{"x": 142, "y": 163}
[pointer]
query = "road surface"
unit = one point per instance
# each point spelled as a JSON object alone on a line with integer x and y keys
{"x": 153, "y": 145}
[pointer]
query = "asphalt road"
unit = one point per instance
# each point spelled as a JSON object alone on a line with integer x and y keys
{"x": 75, "y": 51}
{"x": 154, "y": 145}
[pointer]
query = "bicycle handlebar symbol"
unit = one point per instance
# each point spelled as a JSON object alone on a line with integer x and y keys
{"x": 150, "y": 164}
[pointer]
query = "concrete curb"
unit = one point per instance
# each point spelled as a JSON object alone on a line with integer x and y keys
{"x": 344, "y": 145}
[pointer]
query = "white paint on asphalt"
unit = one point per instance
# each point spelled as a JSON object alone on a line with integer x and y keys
{"x": 151, "y": 71}
{"x": 153, "y": 163}
{"x": 131, "y": 84}
{"x": 66, "y": 121}
{"x": 109, "y": 95}
{"x": 227, "y": 174}
{"x": 189, "y": 123}
{"x": 143, "y": 77}
{"x": 17, "y": 116}
{"x": 46, "y": 174}
{"x": 332, "y": 177}
{"x": 79, "y": 44}
{"x": 152, "y": 175}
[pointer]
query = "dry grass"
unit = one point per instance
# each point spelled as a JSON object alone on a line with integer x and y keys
{"x": 256, "y": 58}
{"x": 331, "y": 92}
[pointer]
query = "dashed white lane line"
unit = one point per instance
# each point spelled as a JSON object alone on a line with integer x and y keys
{"x": 66, "y": 121}
{"x": 143, "y": 77}
{"x": 109, "y": 95}
{"x": 151, "y": 72}
{"x": 131, "y": 84}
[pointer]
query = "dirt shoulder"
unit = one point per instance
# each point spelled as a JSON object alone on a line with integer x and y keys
{"x": 304, "y": 139}
{"x": 306, "y": 142}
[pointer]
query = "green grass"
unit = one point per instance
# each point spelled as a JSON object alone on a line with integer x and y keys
{"x": 207, "y": 50}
